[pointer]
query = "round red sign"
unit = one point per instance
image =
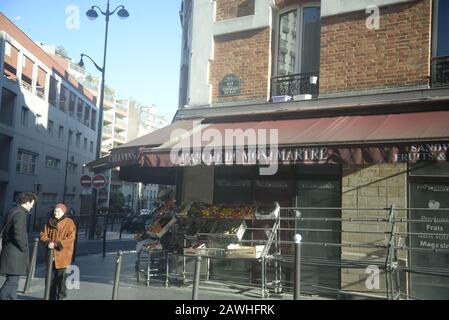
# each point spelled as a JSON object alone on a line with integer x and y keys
{"x": 99, "y": 181}
{"x": 86, "y": 181}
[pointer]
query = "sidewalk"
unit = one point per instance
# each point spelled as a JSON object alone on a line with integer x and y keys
{"x": 97, "y": 274}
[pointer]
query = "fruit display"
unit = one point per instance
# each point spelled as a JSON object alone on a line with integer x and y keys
{"x": 228, "y": 212}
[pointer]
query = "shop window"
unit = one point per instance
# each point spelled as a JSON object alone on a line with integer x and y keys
{"x": 430, "y": 203}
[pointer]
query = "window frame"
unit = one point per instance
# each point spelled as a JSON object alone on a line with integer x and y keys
{"x": 299, "y": 35}
{"x": 20, "y": 160}
{"x": 57, "y": 161}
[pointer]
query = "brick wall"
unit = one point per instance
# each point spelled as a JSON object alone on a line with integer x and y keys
{"x": 356, "y": 58}
{"x": 376, "y": 186}
{"x": 229, "y": 9}
{"x": 248, "y": 56}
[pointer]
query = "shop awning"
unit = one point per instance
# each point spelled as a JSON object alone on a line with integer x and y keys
{"x": 351, "y": 139}
{"x": 129, "y": 153}
{"x": 358, "y": 139}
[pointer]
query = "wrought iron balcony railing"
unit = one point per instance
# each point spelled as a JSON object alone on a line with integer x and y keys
{"x": 440, "y": 72}
{"x": 295, "y": 84}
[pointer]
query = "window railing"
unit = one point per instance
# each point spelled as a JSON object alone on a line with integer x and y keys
{"x": 109, "y": 97}
{"x": 295, "y": 85}
{"x": 107, "y": 130}
{"x": 121, "y": 107}
{"x": 108, "y": 117}
{"x": 26, "y": 85}
{"x": 120, "y": 123}
{"x": 440, "y": 72}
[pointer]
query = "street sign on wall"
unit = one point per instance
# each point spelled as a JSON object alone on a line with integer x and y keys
{"x": 99, "y": 181}
{"x": 86, "y": 181}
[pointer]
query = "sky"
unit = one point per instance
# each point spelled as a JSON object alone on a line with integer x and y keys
{"x": 143, "y": 52}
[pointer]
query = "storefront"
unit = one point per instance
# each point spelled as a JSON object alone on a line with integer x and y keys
{"x": 336, "y": 168}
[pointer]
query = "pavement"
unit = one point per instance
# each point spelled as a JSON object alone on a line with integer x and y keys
{"x": 96, "y": 283}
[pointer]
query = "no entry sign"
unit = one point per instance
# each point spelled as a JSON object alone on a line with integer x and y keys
{"x": 99, "y": 181}
{"x": 86, "y": 181}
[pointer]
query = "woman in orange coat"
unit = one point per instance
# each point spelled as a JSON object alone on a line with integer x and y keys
{"x": 59, "y": 234}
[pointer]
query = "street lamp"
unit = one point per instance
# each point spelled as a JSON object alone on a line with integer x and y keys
{"x": 92, "y": 15}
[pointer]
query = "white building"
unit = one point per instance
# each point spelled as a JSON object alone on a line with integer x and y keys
{"x": 48, "y": 125}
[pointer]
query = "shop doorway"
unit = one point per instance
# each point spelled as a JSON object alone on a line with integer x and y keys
{"x": 320, "y": 271}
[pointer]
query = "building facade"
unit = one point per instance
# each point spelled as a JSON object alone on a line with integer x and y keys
{"x": 48, "y": 126}
{"x": 355, "y": 63}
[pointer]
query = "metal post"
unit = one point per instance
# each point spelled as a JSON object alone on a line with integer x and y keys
{"x": 49, "y": 273}
{"x": 104, "y": 235}
{"x": 75, "y": 246}
{"x": 196, "y": 279}
{"x": 297, "y": 289}
{"x": 32, "y": 267}
{"x": 118, "y": 266}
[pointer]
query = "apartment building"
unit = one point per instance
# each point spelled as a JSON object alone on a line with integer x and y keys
{"x": 48, "y": 126}
{"x": 364, "y": 84}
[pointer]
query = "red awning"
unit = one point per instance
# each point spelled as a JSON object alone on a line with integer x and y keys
{"x": 361, "y": 139}
{"x": 409, "y": 127}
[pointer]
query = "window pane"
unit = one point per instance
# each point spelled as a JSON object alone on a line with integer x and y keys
{"x": 310, "y": 61}
{"x": 287, "y": 43}
{"x": 443, "y": 28}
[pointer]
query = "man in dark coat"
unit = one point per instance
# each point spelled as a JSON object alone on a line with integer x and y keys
{"x": 14, "y": 257}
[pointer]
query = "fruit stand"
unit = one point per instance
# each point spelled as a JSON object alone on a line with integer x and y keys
{"x": 212, "y": 231}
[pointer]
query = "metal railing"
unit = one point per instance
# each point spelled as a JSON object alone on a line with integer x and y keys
{"x": 440, "y": 71}
{"x": 26, "y": 85}
{"x": 295, "y": 84}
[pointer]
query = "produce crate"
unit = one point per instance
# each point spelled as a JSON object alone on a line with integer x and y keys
{"x": 233, "y": 230}
{"x": 268, "y": 211}
{"x": 244, "y": 252}
{"x": 161, "y": 226}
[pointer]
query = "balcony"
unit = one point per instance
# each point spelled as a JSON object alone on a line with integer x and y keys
{"x": 26, "y": 85}
{"x": 440, "y": 72}
{"x": 107, "y": 132}
{"x": 296, "y": 85}
{"x": 120, "y": 137}
{"x": 109, "y": 97}
{"x": 121, "y": 109}
{"x": 108, "y": 118}
{"x": 120, "y": 124}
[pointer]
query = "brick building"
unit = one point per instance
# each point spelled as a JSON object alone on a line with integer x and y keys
{"x": 356, "y": 93}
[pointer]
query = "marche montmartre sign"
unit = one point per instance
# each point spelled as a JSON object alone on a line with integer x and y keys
{"x": 341, "y": 154}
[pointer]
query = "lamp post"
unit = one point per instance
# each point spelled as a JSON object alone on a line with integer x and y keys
{"x": 92, "y": 15}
